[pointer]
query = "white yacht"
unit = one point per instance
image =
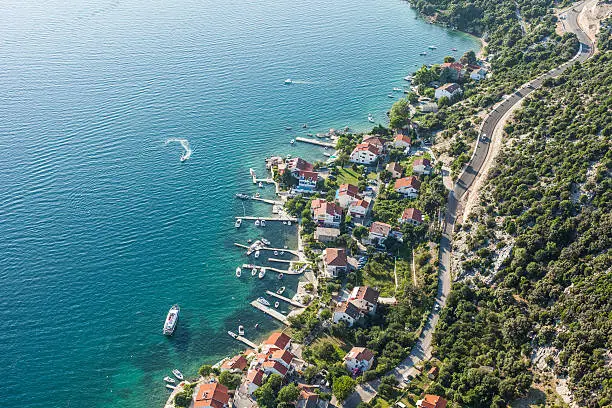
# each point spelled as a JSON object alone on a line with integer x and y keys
{"x": 257, "y": 222}
{"x": 280, "y": 276}
{"x": 292, "y": 141}
{"x": 263, "y": 301}
{"x": 262, "y": 272}
{"x": 288, "y": 81}
{"x": 178, "y": 374}
{"x": 432, "y": 47}
{"x": 171, "y": 320}
{"x": 370, "y": 119}
{"x": 238, "y": 272}
{"x": 170, "y": 387}
{"x": 265, "y": 241}
{"x": 396, "y": 89}
{"x": 288, "y": 222}
{"x": 238, "y": 223}
{"x": 241, "y": 330}
{"x": 257, "y": 254}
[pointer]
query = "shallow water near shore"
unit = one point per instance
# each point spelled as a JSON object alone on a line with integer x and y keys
{"x": 103, "y": 228}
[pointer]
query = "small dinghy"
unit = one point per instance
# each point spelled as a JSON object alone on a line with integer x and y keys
{"x": 169, "y": 380}
{"x": 262, "y": 273}
{"x": 280, "y": 290}
{"x": 238, "y": 272}
{"x": 178, "y": 374}
{"x": 276, "y": 304}
{"x": 263, "y": 301}
{"x": 254, "y": 271}
{"x": 241, "y": 330}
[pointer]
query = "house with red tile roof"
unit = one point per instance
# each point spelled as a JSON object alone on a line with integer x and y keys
{"x": 365, "y": 153}
{"x": 450, "y": 90}
{"x": 365, "y": 298}
{"x": 359, "y": 209}
{"x": 347, "y": 194}
{"x": 323, "y": 234}
{"x": 379, "y": 231}
{"x": 310, "y": 399}
{"x": 346, "y": 312}
{"x": 213, "y": 395}
{"x": 455, "y": 70}
{"x": 402, "y": 141}
{"x": 432, "y": 401}
{"x": 395, "y": 169}
{"x": 359, "y": 359}
{"x": 274, "y": 367}
{"x": 375, "y": 140}
{"x": 277, "y": 340}
{"x": 235, "y": 364}
{"x": 411, "y": 216}
{"x": 408, "y": 186}
{"x": 422, "y": 166}
{"x": 334, "y": 262}
{"x": 254, "y": 380}
{"x": 325, "y": 213}
{"x": 285, "y": 357}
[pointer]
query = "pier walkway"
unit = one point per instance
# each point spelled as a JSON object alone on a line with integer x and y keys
{"x": 286, "y": 299}
{"x": 289, "y": 251}
{"x": 277, "y": 315}
{"x": 245, "y": 341}
{"x": 285, "y": 218}
{"x": 267, "y": 201}
{"x": 315, "y": 142}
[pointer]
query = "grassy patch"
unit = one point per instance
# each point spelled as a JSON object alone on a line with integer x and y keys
{"x": 348, "y": 175}
{"x": 378, "y": 272}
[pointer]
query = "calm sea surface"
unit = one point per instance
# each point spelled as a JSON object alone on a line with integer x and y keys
{"x": 102, "y": 228}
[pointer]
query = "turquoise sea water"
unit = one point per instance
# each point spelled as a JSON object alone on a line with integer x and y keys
{"x": 102, "y": 228}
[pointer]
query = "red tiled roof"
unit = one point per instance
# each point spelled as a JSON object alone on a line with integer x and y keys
{"x": 380, "y": 228}
{"x": 366, "y": 293}
{"x": 403, "y": 138}
{"x": 433, "y": 401}
{"x": 361, "y": 203}
{"x": 412, "y": 214}
{"x": 372, "y": 148}
{"x": 237, "y": 362}
{"x": 452, "y": 65}
{"x": 394, "y": 167}
{"x": 450, "y": 87}
{"x": 312, "y": 175}
{"x": 297, "y": 163}
{"x": 360, "y": 354}
{"x": 276, "y": 366}
{"x": 408, "y": 182}
{"x": 320, "y": 207}
{"x": 348, "y": 189}
{"x": 284, "y": 355}
{"x": 348, "y": 308}
{"x": 278, "y": 339}
{"x": 256, "y": 377}
{"x": 335, "y": 256}
{"x": 375, "y": 140}
{"x": 211, "y": 395}
{"x": 421, "y": 162}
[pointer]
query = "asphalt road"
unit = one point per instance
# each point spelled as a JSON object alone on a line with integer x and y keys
{"x": 423, "y": 347}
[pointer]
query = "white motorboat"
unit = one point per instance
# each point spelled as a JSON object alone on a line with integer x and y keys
{"x": 280, "y": 276}
{"x": 275, "y": 252}
{"x": 254, "y": 271}
{"x": 288, "y": 81}
{"x": 432, "y": 47}
{"x": 171, "y": 320}
{"x": 370, "y": 119}
{"x": 408, "y": 78}
{"x": 423, "y": 53}
{"x": 241, "y": 330}
{"x": 178, "y": 374}
{"x": 284, "y": 222}
{"x": 288, "y": 222}
{"x": 453, "y": 49}
{"x": 390, "y": 96}
{"x": 263, "y": 301}
{"x": 238, "y": 223}
{"x": 262, "y": 272}
{"x": 265, "y": 241}
{"x": 257, "y": 254}
{"x": 260, "y": 184}
{"x": 263, "y": 223}
{"x": 169, "y": 380}
{"x": 231, "y": 333}
{"x": 396, "y": 89}
{"x": 280, "y": 290}
{"x": 238, "y": 272}
{"x": 170, "y": 387}
{"x": 282, "y": 252}
{"x": 257, "y": 222}
{"x": 305, "y": 126}
{"x": 292, "y": 141}
{"x": 276, "y": 304}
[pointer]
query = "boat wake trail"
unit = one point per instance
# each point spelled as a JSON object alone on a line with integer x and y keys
{"x": 185, "y": 143}
{"x": 302, "y": 82}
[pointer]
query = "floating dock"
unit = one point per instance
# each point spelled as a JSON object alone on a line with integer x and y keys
{"x": 286, "y": 299}
{"x": 277, "y": 315}
{"x": 315, "y": 142}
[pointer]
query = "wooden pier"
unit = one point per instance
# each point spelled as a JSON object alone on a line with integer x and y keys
{"x": 286, "y": 218}
{"x": 286, "y": 299}
{"x": 315, "y": 142}
{"x": 246, "y": 341}
{"x": 269, "y": 311}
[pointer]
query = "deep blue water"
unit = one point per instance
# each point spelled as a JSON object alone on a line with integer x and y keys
{"x": 102, "y": 228}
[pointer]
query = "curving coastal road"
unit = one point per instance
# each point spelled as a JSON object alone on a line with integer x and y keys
{"x": 423, "y": 347}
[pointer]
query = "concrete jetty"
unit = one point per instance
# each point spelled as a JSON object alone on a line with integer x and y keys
{"x": 246, "y": 341}
{"x": 286, "y": 299}
{"x": 315, "y": 142}
{"x": 289, "y": 251}
{"x": 285, "y": 218}
{"x": 277, "y": 315}
{"x": 280, "y": 260}
{"x": 267, "y": 201}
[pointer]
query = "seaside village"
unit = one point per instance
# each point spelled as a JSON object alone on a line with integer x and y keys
{"x": 369, "y": 217}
